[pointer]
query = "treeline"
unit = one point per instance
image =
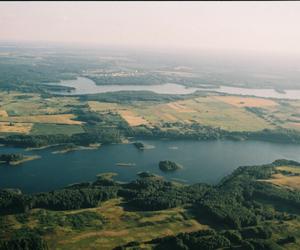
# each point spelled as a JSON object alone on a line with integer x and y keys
{"x": 246, "y": 239}
{"x": 102, "y": 136}
{"x": 131, "y": 96}
{"x": 7, "y": 158}
{"x": 64, "y": 199}
{"x": 177, "y": 130}
{"x": 133, "y": 79}
{"x": 200, "y": 132}
{"x": 24, "y": 242}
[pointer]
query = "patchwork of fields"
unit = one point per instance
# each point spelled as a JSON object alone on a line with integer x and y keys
{"x": 210, "y": 111}
{"x": 33, "y": 114}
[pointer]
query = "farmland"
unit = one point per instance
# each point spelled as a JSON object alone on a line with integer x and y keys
{"x": 202, "y": 110}
{"x": 33, "y": 114}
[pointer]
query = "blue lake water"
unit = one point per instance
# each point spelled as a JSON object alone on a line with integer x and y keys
{"x": 203, "y": 162}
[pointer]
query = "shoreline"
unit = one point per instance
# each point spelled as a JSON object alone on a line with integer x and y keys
{"x": 26, "y": 158}
{"x": 77, "y": 148}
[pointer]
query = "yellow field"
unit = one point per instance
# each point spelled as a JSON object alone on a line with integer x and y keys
{"x": 57, "y": 119}
{"x": 103, "y": 106}
{"x": 132, "y": 119}
{"x": 3, "y": 113}
{"x": 292, "y": 182}
{"x": 180, "y": 107}
{"x": 23, "y": 128}
{"x": 239, "y": 101}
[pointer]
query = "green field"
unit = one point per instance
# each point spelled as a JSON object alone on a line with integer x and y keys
{"x": 49, "y": 129}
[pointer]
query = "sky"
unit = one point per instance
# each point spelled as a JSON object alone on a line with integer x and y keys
{"x": 249, "y": 26}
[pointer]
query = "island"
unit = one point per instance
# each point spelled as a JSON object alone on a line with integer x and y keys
{"x": 139, "y": 145}
{"x": 125, "y": 164}
{"x": 15, "y": 158}
{"x": 70, "y": 147}
{"x": 169, "y": 166}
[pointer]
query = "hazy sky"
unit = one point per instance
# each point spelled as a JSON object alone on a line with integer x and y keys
{"x": 262, "y": 26}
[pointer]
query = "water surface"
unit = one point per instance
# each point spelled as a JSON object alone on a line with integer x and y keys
{"x": 203, "y": 162}
{"x": 85, "y": 86}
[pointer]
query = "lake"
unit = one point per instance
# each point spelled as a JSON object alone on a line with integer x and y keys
{"x": 202, "y": 161}
{"x": 84, "y": 86}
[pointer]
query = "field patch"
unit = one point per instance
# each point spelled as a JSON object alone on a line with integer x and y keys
{"x": 239, "y": 101}
{"x": 18, "y": 104}
{"x": 3, "y": 113}
{"x": 57, "y": 119}
{"x": 132, "y": 119}
{"x": 288, "y": 181}
{"x": 21, "y": 128}
{"x": 103, "y": 106}
{"x": 180, "y": 107}
{"x": 50, "y": 129}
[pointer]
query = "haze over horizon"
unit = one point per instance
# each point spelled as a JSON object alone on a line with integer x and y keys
{"x": 249, "y": 26}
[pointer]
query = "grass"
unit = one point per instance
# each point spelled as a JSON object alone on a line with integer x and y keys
{"x": 288, "y": 177}
{"x": 125, "y": 226}
{"x": 48, "y": 129}
{"x": 107, "y": 226}
{"x": 292, "y": 182}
